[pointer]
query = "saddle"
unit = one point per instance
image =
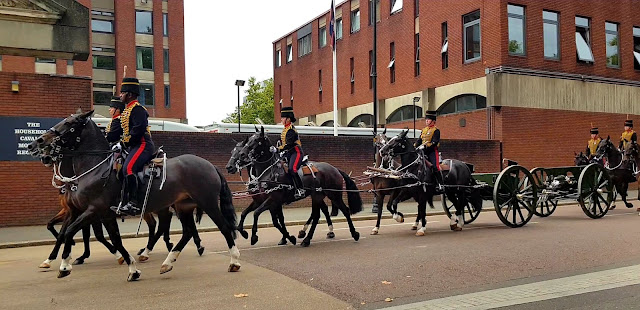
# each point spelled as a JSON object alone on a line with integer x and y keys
{"x": 152, "y": 168}
{"x": 306, "y": 167}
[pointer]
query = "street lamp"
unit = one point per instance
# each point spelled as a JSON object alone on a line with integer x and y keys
{"x": 415, "y": 99}
{"x": 239, "y": 83}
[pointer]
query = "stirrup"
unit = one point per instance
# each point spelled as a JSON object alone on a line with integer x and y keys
{"x": 299, "y": 193}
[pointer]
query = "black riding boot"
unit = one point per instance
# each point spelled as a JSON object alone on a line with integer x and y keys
{"x": 131, "y": 207}
{"x": 298, "y": 191}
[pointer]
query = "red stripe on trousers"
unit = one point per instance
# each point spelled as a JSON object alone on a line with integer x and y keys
{"x": 135, "y": 156}
{"x": 295, "y": 164}
{"x": 437, "y": 163}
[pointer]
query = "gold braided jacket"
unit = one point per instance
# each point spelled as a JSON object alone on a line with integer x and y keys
{"x": 124, "y": 118}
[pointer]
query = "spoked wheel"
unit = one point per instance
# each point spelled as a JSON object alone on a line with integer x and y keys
{"x": 545, "y": 205}
{"x": 469, "y": 215}
{"x": 514, "y": 196}
{"x": 595, "y": 191}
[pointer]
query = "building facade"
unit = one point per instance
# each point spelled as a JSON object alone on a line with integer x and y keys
{"x": 146, "y": 36}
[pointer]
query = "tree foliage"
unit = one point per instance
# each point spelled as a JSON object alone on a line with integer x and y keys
{"x": 259, "y": 104}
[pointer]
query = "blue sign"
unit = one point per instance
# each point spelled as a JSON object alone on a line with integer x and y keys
{"x": 16, "y": 133}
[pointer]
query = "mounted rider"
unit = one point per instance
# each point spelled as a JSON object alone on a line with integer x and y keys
{"x": 429, "y": 141}
{"x": 592, "y": 144}
{"x": 291, "y": 148}
{"x": 136, "y": 139}
{"x": 628, "y": 135}
{"x": 114, "y": 128}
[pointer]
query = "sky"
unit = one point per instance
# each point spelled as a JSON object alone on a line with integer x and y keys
{"x": 222, "y": 47}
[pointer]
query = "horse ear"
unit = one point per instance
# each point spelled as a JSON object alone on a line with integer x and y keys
{"x": 576, "y": 154}
{"x": 261, "y": 131}
{"x": 384, "y": 132}
{"x": 608, "y": 137}
{"x": 256, "y": 127}
{"x": 87, "y": 115}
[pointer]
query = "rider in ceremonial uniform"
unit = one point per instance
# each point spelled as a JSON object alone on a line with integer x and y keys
{"x": 628, "y": 134}
{"x": 136, "y": 139}
{"x": 292, "y": 148}
{"x": 429, "y": 141}
{"x": 593, "y": 143}
{"x": 114, "y": 129}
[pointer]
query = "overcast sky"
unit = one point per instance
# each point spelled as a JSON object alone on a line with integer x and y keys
{"x": 230, "y": 40}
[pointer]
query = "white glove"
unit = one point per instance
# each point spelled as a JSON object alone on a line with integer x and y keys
{"x": 273, "y": 149}
{"x": 116, "y": 148}
{"x": 421, "y": 147}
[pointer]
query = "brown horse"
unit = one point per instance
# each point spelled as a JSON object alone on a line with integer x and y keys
{"x": 79, "y": 141}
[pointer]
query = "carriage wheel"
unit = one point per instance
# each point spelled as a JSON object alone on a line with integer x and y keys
{"x": 514, "y": 196}
{"x": 595, "y": 191}
{"x": 469, "y": 215}
{"x": 546, "y": 205}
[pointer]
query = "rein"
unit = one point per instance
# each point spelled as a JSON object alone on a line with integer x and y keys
{"x": 57, "y": 175}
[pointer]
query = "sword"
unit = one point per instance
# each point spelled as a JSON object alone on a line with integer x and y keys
{"x": 146, "y": 198}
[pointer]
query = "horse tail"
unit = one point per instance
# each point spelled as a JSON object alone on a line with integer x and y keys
{"x": 355, "y": 202}
{"x": 226, "y": 204}
{"x": 199, "y": 214}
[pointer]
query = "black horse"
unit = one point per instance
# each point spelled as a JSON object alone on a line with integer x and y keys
{"x": 580, "y": 159}
{"x": 327, "y": 182}
{"x": 236, "y": 165}
{"x": 621, "y": 170}
{"x": 191, "y": 179}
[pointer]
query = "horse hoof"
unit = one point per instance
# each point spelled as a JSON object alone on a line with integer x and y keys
{"x": 169, "y": 246}
{"x": 143, "y": 258}
{"x": 614, "y": 206}
{"x": 165, "y": 268}
{"x": 234, "y": 267}
{"x": 283, "y": 241}
{"x": 414, "y": 227}
{"x": 305, "y": 243}
{"x": 254, "y": 239}
{"x": 200, "y": 250}
{"x": 140, "y": 252}
{"x": 457, "y": 228}
{"x": 120, "y": 260}
{"x": 292, "y": 239}
{"x": 419, "y": 233}
{"x": 629, "y": 205}
{"x": 356, "y": 235}
{"x": 638, "y": 209}
{"x": 64, "y": 273}
{"x": 78, "y": 261}
{"x": 134, "y": 276}
{"x": 331, "y": 235}
{"x": 374, "y": 231}
{"x": 244, "y": 233}
{"x": 453, "y": 227}
{"x": 302, "y": 234}
{"x": 45, "y": 265}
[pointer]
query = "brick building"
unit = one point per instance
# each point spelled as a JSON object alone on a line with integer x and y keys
{"x": 146, "y": 36}
{"x": 533, "y": 71}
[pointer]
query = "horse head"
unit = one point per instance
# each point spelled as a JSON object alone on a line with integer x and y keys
{"x": 605, "y": 148}
{"x": 64, "y": 136}
{"x": 580, "y": 159}
{"x": 256, "y": 148}
{"x": 396, "y": 145}
{"x": 235, "y": 162}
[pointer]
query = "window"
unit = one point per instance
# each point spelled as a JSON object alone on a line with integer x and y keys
{"x": 551, "y": 29}
{"x": 362, "y": 120}
{"x": 355, "y": 20}
{"x": 144, "y": 58}
{"x": 144, "y": 22}
{"x": 516, "y": 29}
{"x": 613, "y": 50}
{"x": 104, "y": 62}
{"x": 396, "y": 6}
{"x": 146, "y": 95}
{"x": 339, "y": 29}
{"x": 371, "y": 11}
{"x": 370, "y": 69}
{"x": 165, "y": 24}
{"x": 320, "y": 86}
{"x": 165, "y": 57}
{"x": 445, "y": 46}
{"x": 103, "y": 49}
{"x": 167, "y": 96}
{"x": 69, "y": 61}
{"x": 278, "y": 58}
{"x": 463, "y": 103}
{"x": 322, "y": 37}
{"x": 416, "y": 49}
{"x": 471, "y": 36}
{"x": 289, "y": 53}
{"x": 45, "y": 60}
{"x": 327, "y": 124}
{"x": 392, "y": 62}
{"x": 353, "y": 76}
{"x": 583, "y": 40}
{"x": 416, "y": 8}
{"x": 304, "y": 45}
{"x": 102, "y": 97}
{"x": 101, "y": 13}
{"x": 102, "y": 26}
{"x": 636, "y": 48}
{"x": 404, "y": 113}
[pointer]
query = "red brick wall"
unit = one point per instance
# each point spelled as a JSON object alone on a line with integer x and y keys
{"x": 475, "y": 125}
{"x": 18, "y": 64}
{"x": 21, "y": 182}
{"x": 43, "y": 95}
{"x": 177, "y": 77}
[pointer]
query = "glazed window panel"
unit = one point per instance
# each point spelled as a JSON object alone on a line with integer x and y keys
{"x": 516, "y": 29}
{"x": 472, "y": 48}
{"x": 612, "y": 41}
{"x": 551, "y": 34}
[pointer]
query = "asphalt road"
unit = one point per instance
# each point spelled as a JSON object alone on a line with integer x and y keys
{"x": 341, "y": 273}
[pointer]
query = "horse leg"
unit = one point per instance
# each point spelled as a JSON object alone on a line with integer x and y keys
{"x": 325, "y": 210}
{"x": 337, "y": 200}
{"x": 453, "y": 221}
{"x": 623, "y": 194}
{"x": 81, "y": 221}
{"x": 256, "y": 214}
{"x": 215, "y": 213}
{"x": 243, "y": 216}
{"x": 55, "y": 220}
{"x": 315, "y": 215}
{"x": 276, "y": 223}
{"x": 462, "y": 201}
{"x": 280, "y": 213}
{"x": 188, "y": 223}
{"x": 111, "y": 225}
{"x": 379, "y": 202}
{"x": 164, "y": 226}
{"x": 422, "y": 214}
{"x": 143, "y": 254}
{"x": 302, "y": 233}
{"x": 99, "y": 234}
{"x": 393, "y": 207}
{"x": 194, "y": 234}
{"x": 56, "y": 248}
{"x": 86, "y": 238}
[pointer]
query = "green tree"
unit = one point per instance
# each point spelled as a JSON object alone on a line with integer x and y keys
{"x": 259, "y": 104}
{"x": 515, "y": 47}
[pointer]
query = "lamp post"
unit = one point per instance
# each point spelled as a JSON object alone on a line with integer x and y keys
{"x": 415, "y": 99}
{"x": 239, "y": 83}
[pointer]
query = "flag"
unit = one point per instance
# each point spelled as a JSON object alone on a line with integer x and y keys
{"x": 332, "y": 26}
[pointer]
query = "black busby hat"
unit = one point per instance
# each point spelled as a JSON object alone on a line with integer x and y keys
{"x": 130, "y": 85}
{"x": 116, "y": 103}
{"x": 628, "y": 122}
{"x": 288, "y": 112}
{"x": 430, "y": 115}
{"x": 594, "y": 130}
